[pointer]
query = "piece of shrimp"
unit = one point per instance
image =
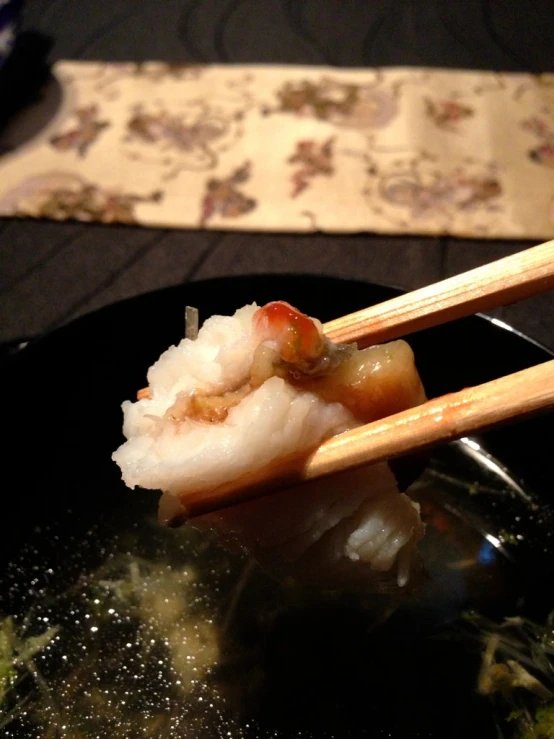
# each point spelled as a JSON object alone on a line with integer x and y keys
{"x": 372, "y": 383}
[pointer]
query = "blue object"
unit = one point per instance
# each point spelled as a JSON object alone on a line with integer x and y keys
{"x": 487, "y": 553}
{"x": 10, "y": 17}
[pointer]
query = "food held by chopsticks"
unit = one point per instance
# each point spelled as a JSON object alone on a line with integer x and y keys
{"x": 260, "y": 387}
{"x": 252, "y": 404}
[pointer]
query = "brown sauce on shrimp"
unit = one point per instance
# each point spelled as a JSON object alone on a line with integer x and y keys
{"x": 372, "y": 383}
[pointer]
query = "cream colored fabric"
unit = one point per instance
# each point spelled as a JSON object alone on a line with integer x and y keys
{"x": 293, "y": 149}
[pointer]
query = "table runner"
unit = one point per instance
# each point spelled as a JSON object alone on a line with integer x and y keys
{"x": 287, "y": 148}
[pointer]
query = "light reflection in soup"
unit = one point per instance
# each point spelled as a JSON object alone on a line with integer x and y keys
{"x": 164, "y": 633}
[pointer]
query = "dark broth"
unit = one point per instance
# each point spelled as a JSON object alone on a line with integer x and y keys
{"x": 164, "y": 633}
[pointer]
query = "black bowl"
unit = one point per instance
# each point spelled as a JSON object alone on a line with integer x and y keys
{"x": 61, "y": 408}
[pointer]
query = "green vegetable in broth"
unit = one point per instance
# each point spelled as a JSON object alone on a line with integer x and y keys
{"x": 17, "y": 651}
{"x": 518, "y": 668}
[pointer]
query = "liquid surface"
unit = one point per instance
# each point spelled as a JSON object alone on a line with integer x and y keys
{"x": 141, "y": 631}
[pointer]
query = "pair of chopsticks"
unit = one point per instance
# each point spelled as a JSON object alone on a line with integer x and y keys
{"x": 505, "y": 281}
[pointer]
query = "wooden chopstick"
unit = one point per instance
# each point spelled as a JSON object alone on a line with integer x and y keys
{"x": 439, "y": 420}
{"x": 504, "y": 281}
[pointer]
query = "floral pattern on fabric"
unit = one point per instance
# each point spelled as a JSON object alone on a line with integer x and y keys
{"x": 83, "y": 134}
{"x": 223, "y": 197}
{"x": 180, "y": 142}
{"x": 62, "y": 196}
{"x": 313, "y": 159}
{"x": 339, "y": 103}
{"x": 544, "y": 152}
{"x": 447, "y": 114}
{"x": 415, "y": 189}
{"x": 296, "y": 149}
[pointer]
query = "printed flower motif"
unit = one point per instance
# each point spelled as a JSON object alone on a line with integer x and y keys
{"x": 417, "y": 189}
{"x": 223, "y": 197}
{"x": 83, "y": 136}
{"x": 454, "y": 190}
{"x": 544, "y": 153}
{"x": 345, "y": 105}
{"x": 537, "y": 126}
{"x": 447, "y": 114}
{"x": 61, "y": 196}
{"x": 171, "y": 130}
{"x": 189, "y": 140}
{"x": 314, "y": 159}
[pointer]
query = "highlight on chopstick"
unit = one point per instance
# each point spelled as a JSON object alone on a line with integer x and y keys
{"x": 252, "y": 390}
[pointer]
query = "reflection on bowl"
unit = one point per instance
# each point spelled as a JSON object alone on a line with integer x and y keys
{"x": 10, "y": 14}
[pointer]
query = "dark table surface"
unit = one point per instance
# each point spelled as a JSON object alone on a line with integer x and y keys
{"x": 51, "y": 273}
